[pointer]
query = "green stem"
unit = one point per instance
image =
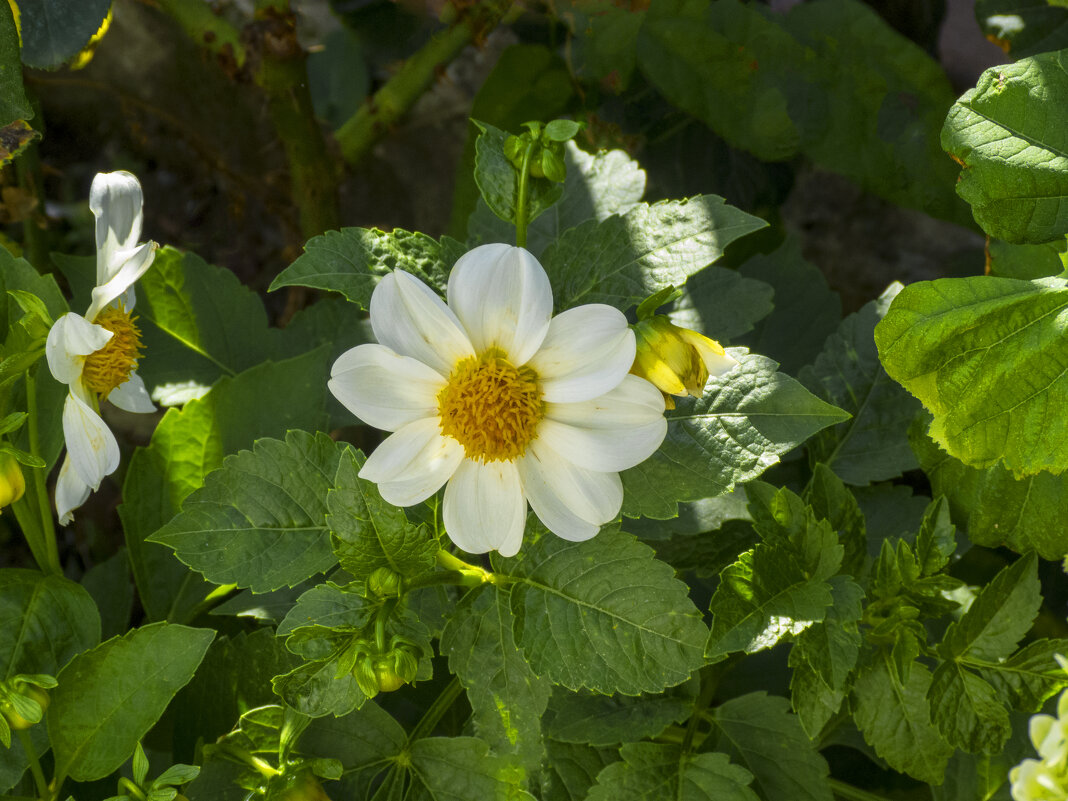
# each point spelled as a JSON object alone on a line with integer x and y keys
{"x": 381, "y": 619}
{"x": 851, "y": 793}
{"x": 440, "y": 706}
{"x": 521, "y": 211}
{"x": 207, "y": 29}
{"x": 376, "y": 117}
{"x": 473, "y": 575}
{"x": 127, "y": 786}
{"x": 35, "y": 765}
{"x": 448, "y": 577}
{"x": 48, "y": 529}
{"x": 709, "y": 682}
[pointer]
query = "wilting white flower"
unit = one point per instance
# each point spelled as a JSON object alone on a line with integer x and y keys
{"x": 96, "y": 355}
{"x": 1045, "y": 779}
{"x": 500, "y": 399}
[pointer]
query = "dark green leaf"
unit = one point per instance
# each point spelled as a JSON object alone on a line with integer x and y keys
{"x": 651, "y": 772}
{"x": 329, "y": 606}
{"x": 967, "y": 710}
{"x": 54, "y": 31}
{"x": 13, "y": 103}
{"x": 446, "y": 768}
{"x": 571, "y": 770}
{"x": 1027, "y": 678}
{"x": 722, "y": 304}
{"x": 365, "y": 741}
{"x": 109, "y": 584}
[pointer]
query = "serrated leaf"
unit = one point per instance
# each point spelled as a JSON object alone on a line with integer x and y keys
{"x": 571, "y": 770}
{"x": 54, "y": 31}
{"x": 873, "y": 444}
{"x": 895, "y": 719}
{"x": 602, "y": 720}
{"x": 986, "y": 356}
{"x": 106, "y": 701}
{"x": 1027, "y": 678}
{"x": 353, "y": 260}
{"x": 367, "y": 533}
{"x": 829, "y": 500}
{"x": 999, "y": 617}
{"x": 738, "y": 429}
{"x": 507, "y": 697}
{"x": 936, "y": 540}
{"x": 498, "y": 180}
{"x": 259, "y": 521}
{"x": 329, "y": 606}
{"x": 445, "y": 768}
{"x": 1012, "y": 150}
{"x": 722, "y": 304}
{"x": 758, "y": 732}
{"x": 315, "y": 689}
{"x": 602, "y": 614}
{"x": 652, "y": 771}
{"x": 967, "y": 710}
{"x": 623, "y": 259}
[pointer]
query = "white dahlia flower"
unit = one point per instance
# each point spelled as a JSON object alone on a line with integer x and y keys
{"x": 96, "y": 355}
{"x": 500, "y": 399}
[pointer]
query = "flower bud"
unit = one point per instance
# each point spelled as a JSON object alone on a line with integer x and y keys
{"x": 12, "y": 482}
{"x": 25, "y": 706}
{"x": 365, "y": 674}
{"x": 677, "y": 361}
{"x": 385, "y": 583}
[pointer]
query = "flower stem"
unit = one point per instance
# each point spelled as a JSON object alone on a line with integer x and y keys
{"x": 440, "y": 706}
{"x": 851, "y": 793}
{"x": 129, "y": 787}
{"x": 471, "y": 575}
{"x": 35, "y": 765}
{"x": 47, "y": 528}
{"x": 709, "y": 682}
{"x": 521, "y": 211}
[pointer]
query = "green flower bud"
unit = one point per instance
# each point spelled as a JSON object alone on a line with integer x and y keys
{"x": 385, "y": 583}
{"x": 303, "y": 786}
{"x": 12, "y": 482}
{"x": 25, "y": 706}
{"x": 366, "y": 678}
{"x": 677, "y": 361}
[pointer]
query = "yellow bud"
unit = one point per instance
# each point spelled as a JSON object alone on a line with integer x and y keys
{"x": 12, "y": 483}
{"x": 677, "y": 361}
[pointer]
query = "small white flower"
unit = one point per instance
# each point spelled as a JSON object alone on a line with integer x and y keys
{"x": 96, "y": 355}
{"x": 500, "y": 399}
{"x": 1045, "y": 779}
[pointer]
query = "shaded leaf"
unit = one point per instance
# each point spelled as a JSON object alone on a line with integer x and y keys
{"x": 652, "y": 771}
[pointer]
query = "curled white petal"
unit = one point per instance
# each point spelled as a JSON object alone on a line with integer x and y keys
{"x": 571, "y": 501}
{"x": 115, "y": 199}
{"x": 71, "y": 492}
{"x": 93, "y": 450}
{"x": 129, "y": 266}
{"x": 613, "y": 432}
{"x": 413, "y": 463}
{"x": 69, "y": 341}
{"x": 484, "y": 508}
{"x": 131, "y": 396}
{"x": 502, "y": 296}
{"x": 586, "y": 353}
{"x": 383, "y": 388}
{"x": 409, "y": 318}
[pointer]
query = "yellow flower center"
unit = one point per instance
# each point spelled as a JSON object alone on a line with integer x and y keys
{"x": 112, "y": 364}
{"x": 491, "y": 407}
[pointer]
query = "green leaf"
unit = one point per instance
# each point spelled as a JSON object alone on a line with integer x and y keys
{"x": 106, "y": 700}
{"x": 315, "y": 689}
{"x": 368, "y": 533}
{"x": 895, "y": 718}
{"x": 722, "y": 304}
{"x": 1012, "y": 150}
{"x": 999, "y": 616}
{"x": 571, "y": 770}
{"x": 602, "y": 720}
{"x": 829, "y": 500}
{"x": 1023, "y": 27}
{"x": 109, "y": 584}
{"x": 329, "y": 606}
{"x": 936, "y": 540}
{"x": 741, "y": 425}
{"x": 353, "y": 260}
{"x": 967, "y": 710}
{"x": 498, "y": 180}
{"x": 988, "y": 358}
{"x": 54, "y": 31}
{"x": 13, "y": 103}
{"x": 1026, "y": 262}
{"x": 602, "y": 614}
{"x": 758, "y": 732}
{"x": 259, "y": 521}
{"x": 1023, "y": 514}
{"x": 873, "y": 445}
{"x": 623, "y": 258}
{"x": 339, "y": 79}
{"x": 445, "y": 768}
{"x": 651, "y": 771}
{"x": 1027, "y": 678}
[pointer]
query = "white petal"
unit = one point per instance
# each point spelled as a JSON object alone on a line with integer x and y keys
{"x": 587, "y": 352}
{"x": 71, "y": 492}
{"x": 412, "y": 464}
{"x": 384, "y": 389}
{"x": 408, "y": 317}
{"x": 115, "y": 199}
{"x": 484, "y": 507}
{"x": 610, "y": 433}
{"x": 571, "y": 501}
{"x": 70, "y": 340}
{"x": 129, "y": 266}
{"x": 503, "y": 298}
{"x": 92, "y": 448}
{"x": 132, "y": 396}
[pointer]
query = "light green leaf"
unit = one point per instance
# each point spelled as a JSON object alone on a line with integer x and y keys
{"x": 738, "y": 429}
{"x": 13, "y": 102}
{"x": 106, "y": 700}
{"x": 1014, "y": 153}
{"x": 999, "y": 617}
{"x": 259, "y": 521}
{"x": 54, "y": 31}
{"x": 967, "y": 710}
{"x": 602, "y": 720}
{"x": 507, "y": 697}
{"x": 353, "y": 260}
{"x": 722, "y": 304}
{"x": 895, "y": 718}
{"x": 188, "y": 444}
{"x": 602, "y": 614}
{"x": 651, "y": 772}
{"x": 329, "y": 606}
{"x": 446, "y": 768}
{"x": 758, "y": 732}
{"x": 873, "y": 445}
{"x": 988, "y": 357}
{"x": 624, "y": 258}
{"x": 368, "y": 533}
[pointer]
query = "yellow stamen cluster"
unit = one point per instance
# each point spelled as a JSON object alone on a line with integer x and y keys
{"x": 112, "y": 364}
{"x": 491, "y": 407}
